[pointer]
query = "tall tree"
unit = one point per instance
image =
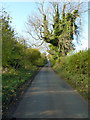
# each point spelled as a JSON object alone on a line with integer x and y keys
{"x": 7, "y": 38}
{"x": 60, "y": 30}
{"x": 63, "y": 31}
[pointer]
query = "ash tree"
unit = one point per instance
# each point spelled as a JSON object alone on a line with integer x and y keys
{"x": 63, "y": 30}
{"x": 60, "y": 32}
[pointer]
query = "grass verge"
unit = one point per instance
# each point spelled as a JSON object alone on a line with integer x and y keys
{"x": 12, "y": 83}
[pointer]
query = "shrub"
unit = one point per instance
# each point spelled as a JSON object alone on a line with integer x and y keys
{"x": 75, "y": 69}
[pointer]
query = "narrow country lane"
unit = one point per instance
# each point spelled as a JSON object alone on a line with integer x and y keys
{"x": 51, "y": 97}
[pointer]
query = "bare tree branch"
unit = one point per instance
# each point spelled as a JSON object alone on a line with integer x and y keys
{"x": 35, "y": 22}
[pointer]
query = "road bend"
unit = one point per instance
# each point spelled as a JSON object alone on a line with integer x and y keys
{"x": 51, "y": 97}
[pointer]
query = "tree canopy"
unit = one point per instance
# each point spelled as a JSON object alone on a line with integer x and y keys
{"x": 15, "y": 54}
{"x": 64, "y": 28}
{"x": 56, "y": 27}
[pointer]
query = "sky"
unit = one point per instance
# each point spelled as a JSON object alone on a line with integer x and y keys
{"x": 19, "y": 11}
{"x": 83, "y": 38}
{"x": 89, "y": 25}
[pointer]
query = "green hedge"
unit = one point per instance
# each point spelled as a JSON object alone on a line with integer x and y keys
{"x": 75, "y": 69}
{"x": 12, "y": 82}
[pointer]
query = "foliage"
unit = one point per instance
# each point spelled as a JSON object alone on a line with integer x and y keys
{"x": 12, "y": 82}
{"x": 64, "y": 27}
{"x": 7, "y": 38}
{"x": 15, "y": 54}
{"x": 19, "y": 62}
{"x": 75, "y": 70}
{"x": 57, "y": 26}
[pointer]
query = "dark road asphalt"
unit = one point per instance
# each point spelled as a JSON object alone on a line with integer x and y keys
{"x": 51, "y": 97}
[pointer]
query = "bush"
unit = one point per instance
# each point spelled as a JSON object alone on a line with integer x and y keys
{"x": 75, "y": 70}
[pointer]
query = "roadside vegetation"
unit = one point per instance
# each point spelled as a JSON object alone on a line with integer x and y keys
{"x": 75, "y": 70}
{"x": 19, "y": 62}
{"x": 56, "y": 27}
{"x": 59, "y": 30}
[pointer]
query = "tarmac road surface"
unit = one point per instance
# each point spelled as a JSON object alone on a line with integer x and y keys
{"x": 51, "y": 97}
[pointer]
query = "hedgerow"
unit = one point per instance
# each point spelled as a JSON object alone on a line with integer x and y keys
{"x": 19, "y": 62}
{"x": 75, "y": 70}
